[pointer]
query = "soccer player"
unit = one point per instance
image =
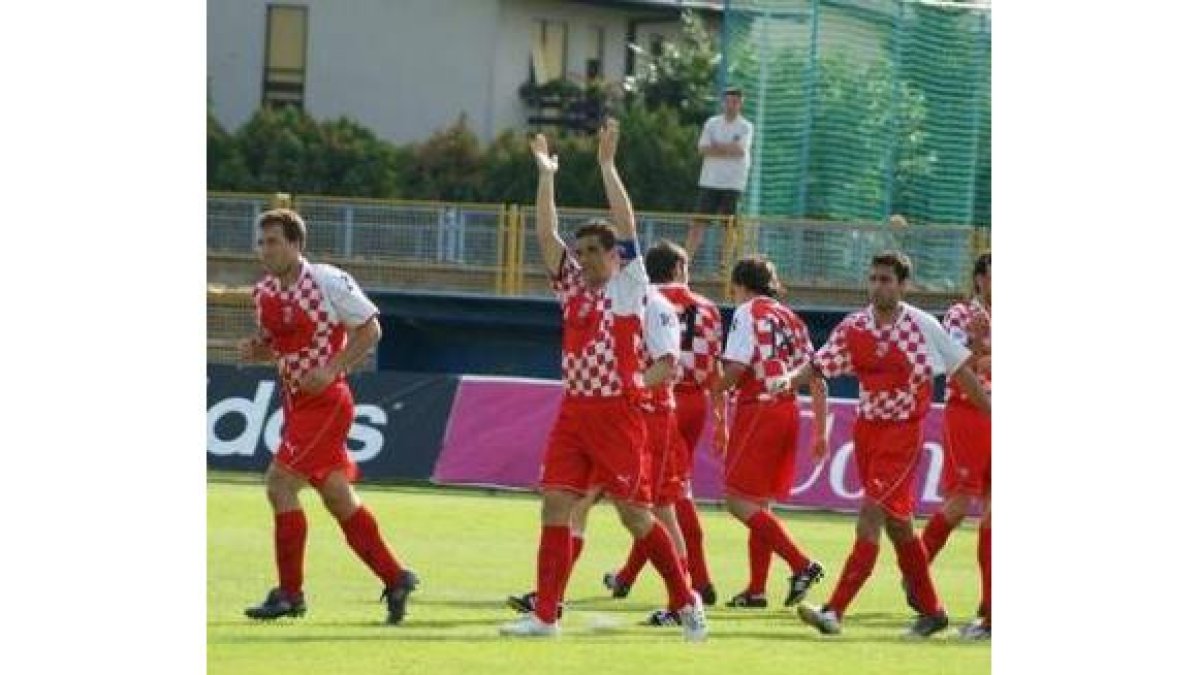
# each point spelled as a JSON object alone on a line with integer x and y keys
{"x": 895, "y": 350}
{"x": 700, "y": 346}
{"x": 766, "y": 342}
{"x": 663, "y": 443}
{"x": 599, "y": 433}
{"x": 967, "y": 471}
{"x": 315, "y": 323}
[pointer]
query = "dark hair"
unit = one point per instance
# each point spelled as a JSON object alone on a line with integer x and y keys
{"x": 983, "y": 265}
{"x": 289, "y": 221}
{"x": 661, "y": 260}
{"x": 896, "y": 260}
{"x": 757, "y": 274}
{"x": 602, "y": 229}
{"x": 733, "y": 91}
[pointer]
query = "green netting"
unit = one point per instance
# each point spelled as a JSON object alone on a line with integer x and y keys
{"x": 865, "y": 108}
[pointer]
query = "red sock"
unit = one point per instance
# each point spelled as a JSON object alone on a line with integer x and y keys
{"x": 914, "y": 565}
{"x": 935, "y": 534}
{"x": 291, "y": 529}
{"x": 362, "y": 533}
{"x": 984, "y": 553}
{"x": 693, "y": 537}
{"x": 859, "y": 565}
{"x": 553, "y": 562}
{"x": 760, "y": 563}
{"x": 661, "y": 552}
{"x": 770, "y": 530}
{"x": 633, "y": 563}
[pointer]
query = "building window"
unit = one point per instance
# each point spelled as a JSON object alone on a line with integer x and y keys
{"x": 549, "y": 51}
{"x": 594, "y": 63}
{"x": 656, "y": 45}
{"x": 287, "y": 40}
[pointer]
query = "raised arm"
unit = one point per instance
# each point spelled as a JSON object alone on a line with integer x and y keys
{"x": 618, "y": 200}
{"x": 550, "y": 244}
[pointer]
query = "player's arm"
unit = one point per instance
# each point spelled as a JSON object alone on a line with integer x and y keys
{"x": 614, "y": 190}
{"x": 362, "y": 340}
{"x": 255, "y": 349}
{"x": 957, "y": 360}
{"x": 966, "y": 379}
{"x": 820, "y": 404}
{"x": 550, "y": 244}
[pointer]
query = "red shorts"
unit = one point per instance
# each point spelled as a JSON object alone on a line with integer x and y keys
{"x": 886, "y": 455}
{"x": 598, "y": 441}
{"x": 967, "y": 468}
{"x": 315, "y": 427}
{"x": 668, "y": 457}
{"x": 760, "y": 463}
{"x": 691, "y": 411}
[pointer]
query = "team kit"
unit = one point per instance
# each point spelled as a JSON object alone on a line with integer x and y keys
{"x": 647, "y": 364}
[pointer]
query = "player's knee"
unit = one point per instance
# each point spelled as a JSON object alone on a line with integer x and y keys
{"x": 557, "y": 507}
{"x": 899, "y": 529}
{"x": 637, "y": 520}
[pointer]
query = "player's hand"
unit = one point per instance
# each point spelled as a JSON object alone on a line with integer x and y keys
{"x": 780, "y": 385}
{"x": 977, "y": 332}
{"x": 252, "y": 350}
{"x": 315, "y": 380}
{"x": 546, "y": 163}
{"x": 820, "y": 448}
{"x": 610, "y": 133}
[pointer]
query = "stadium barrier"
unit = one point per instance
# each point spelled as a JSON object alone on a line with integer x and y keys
{"x": 491, "y": 431}
{"x": 492, "y": 248}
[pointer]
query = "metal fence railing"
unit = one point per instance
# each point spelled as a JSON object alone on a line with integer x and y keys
{"x": 493, "y": 247}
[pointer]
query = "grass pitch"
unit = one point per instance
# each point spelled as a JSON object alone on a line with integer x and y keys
{"x": 472, "y": 549}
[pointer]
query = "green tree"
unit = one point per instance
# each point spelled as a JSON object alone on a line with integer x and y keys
{"x": 682, "y": 77}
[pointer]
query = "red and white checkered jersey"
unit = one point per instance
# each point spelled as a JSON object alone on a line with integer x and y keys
{"x": 700, "y": 345}
{"x": 956, "y": 320}
{"x": 769, "y": 338}
{"x": 662, "y": 334}
{"x": 603, "y": 346}
{"x": 305, "y": 324}
{"x": 895, "y": 364}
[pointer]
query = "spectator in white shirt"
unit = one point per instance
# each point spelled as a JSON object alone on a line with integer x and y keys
{"x": 725, "y": 144}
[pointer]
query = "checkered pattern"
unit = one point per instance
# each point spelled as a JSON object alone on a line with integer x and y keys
{"x": 599, "y": 357}
{"x": 956, "y": 321}
{"x": 858, "y": 347}
{"x": 328, "y": 338}
{"x": 697, "y": 358}
{"x": 781, "y": 344}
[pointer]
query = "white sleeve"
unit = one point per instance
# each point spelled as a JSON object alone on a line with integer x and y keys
{"x": 740, "y": 346}
{"x": 628, "y": 288}
{"x": 350, "y": 305}
{"x": 662, "y": 327}
{"x": 947, "y": 355}
{"x": 706, "y": 138}
{"x": 749, "y": 139}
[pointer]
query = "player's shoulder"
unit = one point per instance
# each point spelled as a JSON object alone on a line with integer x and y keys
{"x": 858, "y": 319}
{"x": 921, "y": 317}
{"x": 326, "y": 272}
{"x": 658, "y": 301}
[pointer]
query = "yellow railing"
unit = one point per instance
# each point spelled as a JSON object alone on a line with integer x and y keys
{"x": 492, "y": 247}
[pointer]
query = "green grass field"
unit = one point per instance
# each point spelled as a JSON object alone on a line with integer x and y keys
{"x": 472, "y": 549}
